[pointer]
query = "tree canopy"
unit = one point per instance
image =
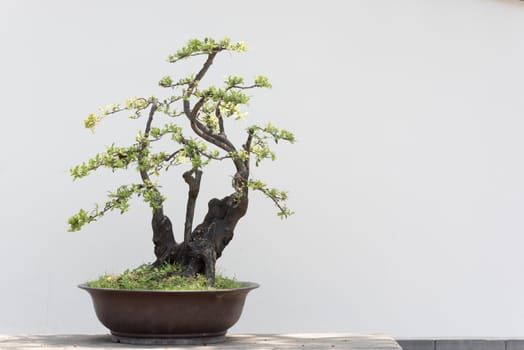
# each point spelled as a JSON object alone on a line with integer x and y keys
{"x": 206, "y": 108}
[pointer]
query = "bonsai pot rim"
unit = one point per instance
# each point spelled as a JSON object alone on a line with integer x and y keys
{"x": 247, "y": 285}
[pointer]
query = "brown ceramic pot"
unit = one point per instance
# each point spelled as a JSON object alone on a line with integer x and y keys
{"x": 168, "y": 317}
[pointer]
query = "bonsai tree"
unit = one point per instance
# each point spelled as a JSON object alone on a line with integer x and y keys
{"x": 203, "y": 111}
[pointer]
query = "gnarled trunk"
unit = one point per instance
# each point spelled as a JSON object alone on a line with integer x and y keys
{"x": 198, "y": 255}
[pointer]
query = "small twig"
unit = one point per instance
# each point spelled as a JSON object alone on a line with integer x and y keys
{"x": 220, "y": 119}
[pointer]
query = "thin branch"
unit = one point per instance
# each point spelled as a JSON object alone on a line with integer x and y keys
{"x": 204, "y": 69}
{"x": 187, "y": 108}
{"x": 220, "y": 119}
{"x": 175, "y": 115}
{"x": 171, "y": 100}
{"x": 138, "y": 110}
{"x": 204, "y": 133}
{"x": 247, "y": 146}
{"x": 169, "y": 159}
{"x": 196, "y": 108}
{"x": 218, "y": 140}
{"x": 191, "y": 114}
{"x": 210, "y": 156}
{"x": 192, "y": 55}
{"x": 113, "y": 111}
{"x": 150, "y": 119}
{"x": 275, "y": 200}
{"x": 201, "y": 130}
{"x": 177, "y": 84}
{"x": 109, "y": 206}
{"x": 158, "y": 212}
{"x": 242, "y": 87}
{"x": 172, "y": 155}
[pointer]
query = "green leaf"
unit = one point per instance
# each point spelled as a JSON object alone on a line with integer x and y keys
{"x": 137, "y": 103}
{"x": 91, "y": 121}
{"x": 232, "y": 81}
{"x": 206, "y": 46}
{"x": 278, "y": 197}
{"x": 166, "y": 81}
{"x": 261, "y": 81}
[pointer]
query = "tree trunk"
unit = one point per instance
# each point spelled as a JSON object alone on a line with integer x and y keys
{"x": 198, "y": 255}
{"x": 163, "y": 238}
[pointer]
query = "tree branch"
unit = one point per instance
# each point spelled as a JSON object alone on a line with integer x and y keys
{"x": 242, "y": 87}
{"x": 194, "y": 113}
{"x": 152, "y": 111}
{"x": 247, "y": 146}
{"x": 143, "y": 172}
{"x": 204, "y": 69}
{"x": 204, "y": 133}
{"x": 221, "y": 141}
{"x": 198, "y": 77}
{"x": 192, "y": 55}
{"x": 200, "y": 129}
{"x": 220, "y": 119}
{"x": 172, "y": 155}
{"x": 194, "y": 187}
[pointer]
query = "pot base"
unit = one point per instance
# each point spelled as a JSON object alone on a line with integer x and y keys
{"x": 190, "y": 339}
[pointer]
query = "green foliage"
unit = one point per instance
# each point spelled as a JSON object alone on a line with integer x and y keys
{"x": 278, "y": 197}
{"x": 118, "y": 200}
{"x": 233, "y": 81}
{"x": 109, "y": 109}
{"x": 174, "y": 130}
{"x": 78, "y": 220}
{"x": 91, "y": 121}
{"x": 166, "y": 277}
{"x": 186, "y": 81}
{"x": 223, "y": 103}
{"x": 205, "y": 47}
{"x": 113, "y": 158}
{"x": 153, "y": 197}
{"x": 215, "y": 105}
{"x": 241, "y": 154}
{"x": 277, "y": 134}
{"x": 136, "y": 103}
{"x": 259, "y": 146}
{"x": 166, "y": 81}
{"x": 211, "y": 121}
{"x": 261, "y": 81}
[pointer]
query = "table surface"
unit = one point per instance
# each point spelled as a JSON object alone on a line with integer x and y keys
{"x": 235, "y": 341}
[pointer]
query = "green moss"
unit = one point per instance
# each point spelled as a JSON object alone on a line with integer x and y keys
{"x": 166, "y": 277}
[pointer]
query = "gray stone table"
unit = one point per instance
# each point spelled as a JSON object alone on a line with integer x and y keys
{"x": 234, "y": 342}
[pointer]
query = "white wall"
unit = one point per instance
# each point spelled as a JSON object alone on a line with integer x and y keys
{"x": 407, "y": 180}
